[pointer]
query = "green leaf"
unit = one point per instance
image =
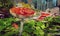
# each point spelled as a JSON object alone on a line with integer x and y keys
{"x": 39, "y": 24}
{"x": 26, "y": 28}
{"x": 25, "y": 34}
{"x": 1, "y": 28}
{"x": 43, "y": 26}
{"x": 38, "y": 31}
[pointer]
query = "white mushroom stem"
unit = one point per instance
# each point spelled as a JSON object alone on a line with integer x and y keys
{"x": 21, "y": 27}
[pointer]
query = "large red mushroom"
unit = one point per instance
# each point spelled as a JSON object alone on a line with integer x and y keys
{"x": 21, "y": 13}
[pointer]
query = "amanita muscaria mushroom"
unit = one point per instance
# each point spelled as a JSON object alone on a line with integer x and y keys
{"x": 25, "y": 12}
{"x": 15, "y": 25}
{"x": 43, "y": 15}
{"x": 22, "y": 13}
